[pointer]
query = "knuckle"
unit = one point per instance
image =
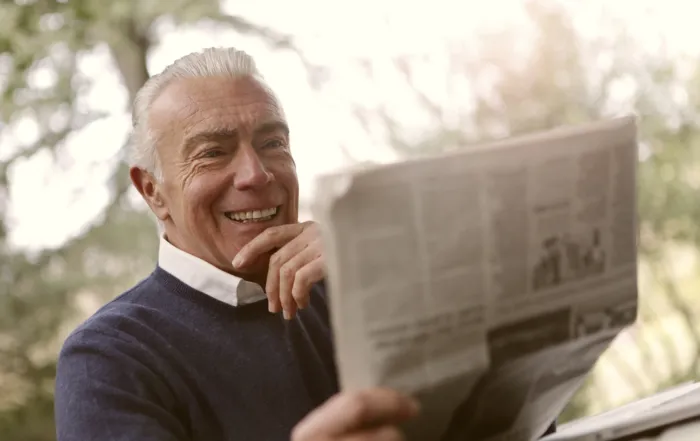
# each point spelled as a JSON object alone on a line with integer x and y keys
{"x": 301, "y": 279}
{"x": 299, "y": 294}
{"x": 275, "y": 260}
{"x": 315, "y": 249}
{"x": 287, "y": 271}
{"x": 273, "y": 233}
{"x": 357, "y": 408}
{"x": 313, "y": 228}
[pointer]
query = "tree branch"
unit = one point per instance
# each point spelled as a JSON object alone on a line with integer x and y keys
{"x": 277, "y": 40}
{"x": 683, "y": 309}
{"x": 130, "y": 53}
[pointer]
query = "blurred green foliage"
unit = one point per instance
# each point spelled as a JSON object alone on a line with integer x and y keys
{"x": 561, "y": 82}
{"x": 568, "y": 79}
{"x": 39, "y": 292}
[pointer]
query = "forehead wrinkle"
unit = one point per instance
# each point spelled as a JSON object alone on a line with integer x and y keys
{"x": 247, "y": 116}
{"x": 196, "y": 105}
{"x": 213, "y": 92}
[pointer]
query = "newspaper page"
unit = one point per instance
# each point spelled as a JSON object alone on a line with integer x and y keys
{"x": 486, "y": 282}
{"x": 664, "y": 415}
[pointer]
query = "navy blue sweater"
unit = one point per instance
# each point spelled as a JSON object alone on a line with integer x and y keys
{"x": 166, "y": 362}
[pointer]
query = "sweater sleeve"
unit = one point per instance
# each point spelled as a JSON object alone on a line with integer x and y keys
{"x": 107, "y": 390}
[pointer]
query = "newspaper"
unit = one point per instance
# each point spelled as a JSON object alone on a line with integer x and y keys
{"x": 486, "y": 282}
{"x": 670, "y": 415}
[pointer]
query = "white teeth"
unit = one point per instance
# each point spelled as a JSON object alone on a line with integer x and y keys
{"x": 257, "y": 215}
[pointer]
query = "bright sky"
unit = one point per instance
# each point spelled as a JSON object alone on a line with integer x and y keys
{"x": 52, "y": 201}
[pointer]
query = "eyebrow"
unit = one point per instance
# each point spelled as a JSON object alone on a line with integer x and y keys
{"x": 209, "y": 136}
{"x": 271, "y": 127}
{"x": 218, "y": 135}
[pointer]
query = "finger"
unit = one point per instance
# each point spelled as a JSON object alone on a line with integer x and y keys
{"x": 290, "y": 312}
{"x": 376, "y": 407}
{"x": 290, "y": 271}
{"x": 268, "y": 240}
{"x": 305, "y": 278}
{"x": 282, "y": 257}
{"x": 352, "y": 411}
{"x": 384, "y": 433}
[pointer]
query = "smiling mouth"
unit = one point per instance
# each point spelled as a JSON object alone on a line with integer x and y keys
{"x": 245, "y": 217}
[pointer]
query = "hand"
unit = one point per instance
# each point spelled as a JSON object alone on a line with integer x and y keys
{"x": 369, "y": 415}
{"x": 296, "y": 265}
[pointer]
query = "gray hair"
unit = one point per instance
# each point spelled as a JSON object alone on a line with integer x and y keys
{"x": 211, "y": 62}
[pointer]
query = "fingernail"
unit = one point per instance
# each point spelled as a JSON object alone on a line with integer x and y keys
{"x": 237, "y": 261}
{"x": 270, "y": 307}
{"x": 287, "y": 315}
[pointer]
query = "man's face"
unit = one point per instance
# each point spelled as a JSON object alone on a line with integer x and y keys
{"x": 228, "y": 173}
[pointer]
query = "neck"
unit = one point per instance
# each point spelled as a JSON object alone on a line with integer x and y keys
{"x": 256, "y": 275}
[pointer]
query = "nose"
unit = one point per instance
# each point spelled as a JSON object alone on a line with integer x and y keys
{"x": 250, "y": 171}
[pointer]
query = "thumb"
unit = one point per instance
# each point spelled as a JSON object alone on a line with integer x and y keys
{"x": 352, "y": 411}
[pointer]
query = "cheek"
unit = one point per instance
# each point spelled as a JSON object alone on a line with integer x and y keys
{"x": 287, "y": 179}
{"x": 200, "y": 194}
{"x": 285, "y": 172}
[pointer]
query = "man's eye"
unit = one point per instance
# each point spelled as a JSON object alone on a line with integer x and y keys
{"x": 213, "y": 153}
{"x": 274, "y": 144}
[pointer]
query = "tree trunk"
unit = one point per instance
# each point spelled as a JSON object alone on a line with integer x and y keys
{"x": 131, "y": 55}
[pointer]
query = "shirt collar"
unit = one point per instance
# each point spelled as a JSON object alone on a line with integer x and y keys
{"x": 206, "y": 278}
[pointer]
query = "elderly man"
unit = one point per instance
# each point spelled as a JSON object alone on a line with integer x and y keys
{"x": 228, "y": 338}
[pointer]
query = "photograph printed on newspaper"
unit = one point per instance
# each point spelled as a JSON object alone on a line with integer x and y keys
{"x": 486, "y": 281}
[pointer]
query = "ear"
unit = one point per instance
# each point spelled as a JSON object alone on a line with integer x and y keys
{"x": 150, "y": 190}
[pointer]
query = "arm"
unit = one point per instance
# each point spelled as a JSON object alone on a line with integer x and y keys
{"x": 106, "y": 391}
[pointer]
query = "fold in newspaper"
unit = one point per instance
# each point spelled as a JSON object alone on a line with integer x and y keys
{"x": 485, "y": 282}
{"x": 670, "y": 415}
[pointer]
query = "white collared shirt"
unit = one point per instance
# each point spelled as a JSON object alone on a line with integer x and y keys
{"x": 205, "y": 277}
